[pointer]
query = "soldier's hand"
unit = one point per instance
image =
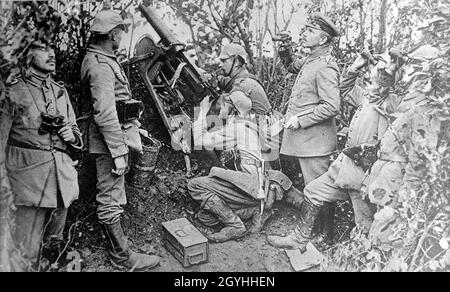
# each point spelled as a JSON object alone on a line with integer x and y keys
{"x": 121, "y": 166}
{"x": 360, "y": 62}
{"x": 292, "y": 123}
{"x": 66, "y": 133}
{"x": 205, "y": 105}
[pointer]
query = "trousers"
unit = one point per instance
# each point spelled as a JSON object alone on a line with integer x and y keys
{"x": 111, "y": 194}
{"x": 323, "y": 189}
{"x": 36, "y": 226}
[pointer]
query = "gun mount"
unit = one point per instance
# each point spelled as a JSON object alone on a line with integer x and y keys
{"x": 173, "y": 82}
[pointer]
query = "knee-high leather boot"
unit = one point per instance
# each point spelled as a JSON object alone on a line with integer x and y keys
{"x": 302, "y": 234}
{"x": 234, "y": 227}
{"x": 122, "y": 255}
{"x": 325, "y": 236}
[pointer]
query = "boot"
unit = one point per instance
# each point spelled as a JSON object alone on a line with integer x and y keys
{"x": 234, "y": 227}
{"x": 302, "y": 233}
{"x": 325, "y": 236}
{"x": 121, "y": 255}
{"x": 259, "y": 221}
{"x": 207, "y": 218}
{"x": 294, "y": 197}
{"x": 254, "y": 213}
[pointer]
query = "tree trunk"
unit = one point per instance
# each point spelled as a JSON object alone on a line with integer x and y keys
{"x": 5, "y": 188}
{"x": 362, "y": 23}
{"x": 381, "y": 42}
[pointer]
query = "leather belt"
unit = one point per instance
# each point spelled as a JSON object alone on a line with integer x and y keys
{"x": 15, "y": 143}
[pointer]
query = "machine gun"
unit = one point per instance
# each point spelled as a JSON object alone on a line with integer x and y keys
{"x": 174, "y": 83}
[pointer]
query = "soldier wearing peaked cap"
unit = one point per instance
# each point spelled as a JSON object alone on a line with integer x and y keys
{"x": 310, "y": 130}
{"x": 42, "y": 174}
{"x": 111, "y": 135}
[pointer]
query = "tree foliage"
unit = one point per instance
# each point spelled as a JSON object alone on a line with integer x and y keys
{"x": 419, "y": 27}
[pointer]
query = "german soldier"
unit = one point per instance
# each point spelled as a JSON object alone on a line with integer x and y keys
{"x": 112, "y": 131}
{"x": 310, "y": 133}
{"x": 226, "y": 191}
{"x": 234, "y": 58}
{"x": 310, "y": 129}
{"x": 41, "y": 172}
{"x": 397, "y": 175}
{"x": 344, "y": 178}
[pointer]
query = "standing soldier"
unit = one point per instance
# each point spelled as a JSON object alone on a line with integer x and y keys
{"x": 344, "y": 178}
{"x": 311, "y": 135}
{"x": 41, "y": 172}
{"x": 111, "y": 134}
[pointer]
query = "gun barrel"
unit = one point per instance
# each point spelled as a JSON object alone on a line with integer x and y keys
{"x": 156, "y": 22}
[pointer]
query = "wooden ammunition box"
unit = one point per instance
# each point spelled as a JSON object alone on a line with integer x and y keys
{"x": 185, "y": 242}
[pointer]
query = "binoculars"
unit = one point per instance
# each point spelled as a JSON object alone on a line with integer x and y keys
{"x": 51, "y": 124}
{"x": 284, "y": 37}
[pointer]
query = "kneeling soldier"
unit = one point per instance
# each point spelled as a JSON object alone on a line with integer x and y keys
{"x": 225, "y": 191}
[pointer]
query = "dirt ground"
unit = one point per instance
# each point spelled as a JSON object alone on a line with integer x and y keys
{"x": 167, "y": 199}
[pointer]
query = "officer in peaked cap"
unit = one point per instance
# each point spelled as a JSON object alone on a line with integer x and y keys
{"x": 323, "y": 23}
{"x": 310, "y": 134}
{"x": 111, "y": 136}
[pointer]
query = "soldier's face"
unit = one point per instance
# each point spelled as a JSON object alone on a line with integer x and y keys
{"x": 43, "y": 59}
{"x": 227, "y": 66}
{"x": 116, "y": 36}
{"x": 313, "y": 37}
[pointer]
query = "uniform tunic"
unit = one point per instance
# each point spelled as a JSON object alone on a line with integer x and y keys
{"x": 398, "y": 172}
{"x": 413, "y": 131}
{"x": 315, "y": 97}
{"x": 236, "y": 188}
{"x": 38, "y": 176}
{"x": 107, "y": 83}
{"x": 44, "y": 181}
{"x": 344, "y": 178}
{"x": 254, "y": 90}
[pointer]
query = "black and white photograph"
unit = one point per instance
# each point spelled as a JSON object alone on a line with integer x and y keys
{"x": 236, "y": 139}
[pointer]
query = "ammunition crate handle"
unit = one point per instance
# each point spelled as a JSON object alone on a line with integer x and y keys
{"x": 181, "y": 233}
{"x": 199, "y": 258}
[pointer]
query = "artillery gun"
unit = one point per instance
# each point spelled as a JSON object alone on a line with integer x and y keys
{"x": 174, "y": 83}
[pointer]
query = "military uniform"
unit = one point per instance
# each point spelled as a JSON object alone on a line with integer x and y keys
{"x": 107, "y": 137}
{"x": 226, "y": 191}
{"x": 311, "y": 134}
{"x": 237, "y": 188}
{"x": 245, "y": 82}
{"x": 344, "y": 178}
{"x": 112, "y": 133}
{"x": 400, "y": 166}
{"x": 262, "y": 109}
{"x": 42, "y": 174}
{"x": 240, "y": 80}
{"x": 315, "y": 99}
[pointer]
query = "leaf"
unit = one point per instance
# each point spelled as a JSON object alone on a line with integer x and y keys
{"x": 443, "y": 243}
{"x": 426, "y": 52}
